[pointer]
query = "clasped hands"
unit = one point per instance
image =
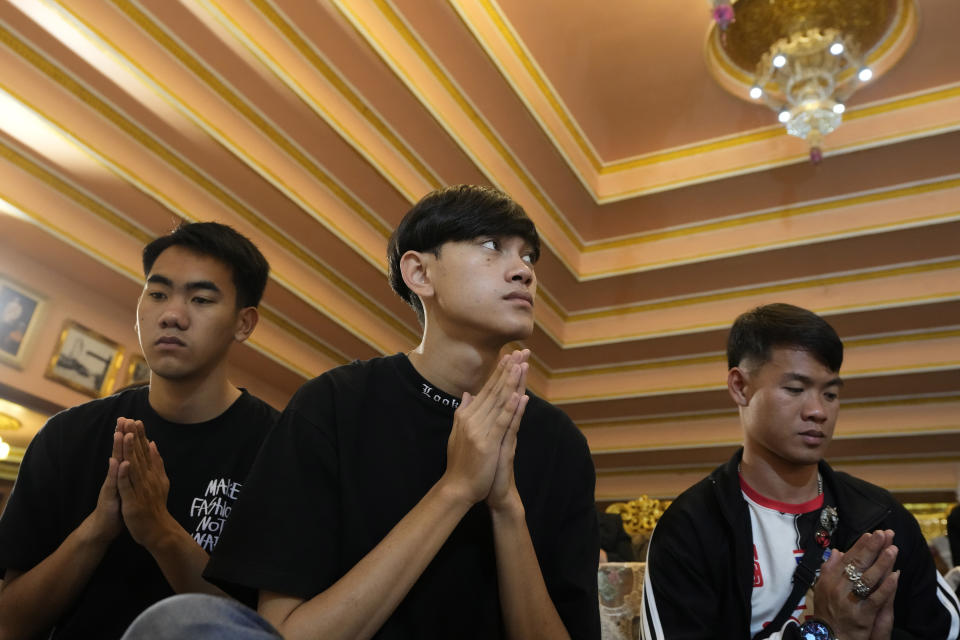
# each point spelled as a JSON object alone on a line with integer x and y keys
{"x": 483, "y": 439}
{"x": 134, "y": 493}
{"x": 867, "y": 566}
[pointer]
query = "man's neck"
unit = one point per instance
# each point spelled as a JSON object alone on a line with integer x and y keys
{"x": 188, "y": 401}
{"x": 454, "y": 367}
{"x": 779, "y": 480}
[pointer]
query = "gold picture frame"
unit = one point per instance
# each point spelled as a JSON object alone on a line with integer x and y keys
{"x": 20, "y": 314}
{"x": 138, "y": 371}
{"x": 84, "y": 360}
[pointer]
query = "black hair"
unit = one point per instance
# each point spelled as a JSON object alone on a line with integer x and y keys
{"x": 249, "y": 267}
{"x": 454, "y": 214}
{"x": 759, "y": 330}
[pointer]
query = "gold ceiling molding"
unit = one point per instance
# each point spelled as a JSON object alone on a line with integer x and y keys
{"x": 71, "y": 240}
{"x": 192, "y": 64}
{"x": 301, "y": 334}
{"x": 712, "y": 415}
{"x": 600, "y": 370}
{"x": 779, "y": 213}
{"x": 625, "y": 378}
{"x": 187, "y": 169}
{"x": 741, "y": 292}
{"x": 463, "y": 102}
{"x": 470, "y": 14}
{"x": 628, "y": 384}
{"x": 295, "y": 37}
{"x": 496, "y": 16}
{"x": 905, "y": 102}
{"x": 72, "y": 192}
{"x": 654, "y": 419}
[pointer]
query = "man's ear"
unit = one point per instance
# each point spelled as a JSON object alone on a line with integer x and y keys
{"x": 415, "y": 269}
{"x": 738, "y": 386}
{"x": 246, "y": 322}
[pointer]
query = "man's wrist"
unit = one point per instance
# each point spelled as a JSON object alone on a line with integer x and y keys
{"x": 164, "y": 536}
{"x": 816, "y": 629}
{"x": 509, "y": 508}
{"x": 96, "y": 530}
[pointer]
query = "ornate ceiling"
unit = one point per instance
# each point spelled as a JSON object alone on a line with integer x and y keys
{"x": 667, "y": 206}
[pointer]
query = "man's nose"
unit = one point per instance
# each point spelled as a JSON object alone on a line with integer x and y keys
{"x": 814, "y": 408}
{"x": 173, "y": 315}
{"x": 522, "y": 271}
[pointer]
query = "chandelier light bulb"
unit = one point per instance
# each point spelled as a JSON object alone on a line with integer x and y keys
{"x": 783, "y": 116}
{"x": 756, "y": 92}
{"x": 836, "y": 48}
{"x": 865, "y": 74}
{"x": 779, "y": 60}
{"x": 839, "y": 108}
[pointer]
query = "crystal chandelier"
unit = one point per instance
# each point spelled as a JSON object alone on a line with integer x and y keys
{"x": 806, "y": 78}
{"x": 802, "y": 58}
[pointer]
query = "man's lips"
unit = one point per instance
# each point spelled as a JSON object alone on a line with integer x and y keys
{"x": 169, "y": 341}
{"x": 520, "y": 295}
{"x": 813, "y": 436}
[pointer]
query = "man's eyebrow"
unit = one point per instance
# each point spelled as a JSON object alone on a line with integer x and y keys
{"x": 203, "y": 284}
{"x": 158, "y": 279}
{"x": 208, "y": 285}
{"x": 807, "y": 380}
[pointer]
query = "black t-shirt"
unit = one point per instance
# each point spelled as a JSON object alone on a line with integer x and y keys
{"x": 65, "y": 466}
{"x": 354, "y": 452}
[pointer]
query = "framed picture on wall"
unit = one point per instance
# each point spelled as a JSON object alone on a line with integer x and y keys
{"x": 138, "y": 372}
{"x": 20, "y": 311}
{"x": 84, "y": 360}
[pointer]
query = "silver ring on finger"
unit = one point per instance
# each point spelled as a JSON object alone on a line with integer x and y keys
{"x": 853, "y": 574}
{"x": 861, "y": 589}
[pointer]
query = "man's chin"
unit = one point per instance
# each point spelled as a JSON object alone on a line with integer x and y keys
{"x": 171, "y": 374}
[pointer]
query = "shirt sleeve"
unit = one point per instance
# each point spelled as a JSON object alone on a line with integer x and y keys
{"x": 678, "y": 596}
{"x": 284, "y": 525}
{"x": 30, "y": 528}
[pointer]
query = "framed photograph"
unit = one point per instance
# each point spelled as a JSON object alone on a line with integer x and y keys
{"x": 85, "y": 360}
{"x": 20, "y": 311}
{"x": 138, "y": 372}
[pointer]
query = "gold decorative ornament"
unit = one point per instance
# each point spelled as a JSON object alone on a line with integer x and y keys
{"x": 639, "y": 516}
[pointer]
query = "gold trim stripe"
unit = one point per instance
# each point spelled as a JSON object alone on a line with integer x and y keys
{"x": 726, "y": 413}
{"x": 777, "y": 288}
{"x": 193, "y": 64}
{"x": 492, "y": 138}
{"x": 55, "y": 182}
{"x": 293, "y": 36}
{"x": 559, "y": 109}
{"x": 297, "y": 332}
{"x": 781, "y": 213}
{"x": 708, "y": 359}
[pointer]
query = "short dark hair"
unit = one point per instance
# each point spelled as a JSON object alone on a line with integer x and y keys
{"x": 249, "y": 267}
{"x": 759, "y": 330}
{"x": 454, "y": 214}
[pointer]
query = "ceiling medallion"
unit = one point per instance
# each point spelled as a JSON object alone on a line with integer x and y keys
{"x": 805, "y": 58}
